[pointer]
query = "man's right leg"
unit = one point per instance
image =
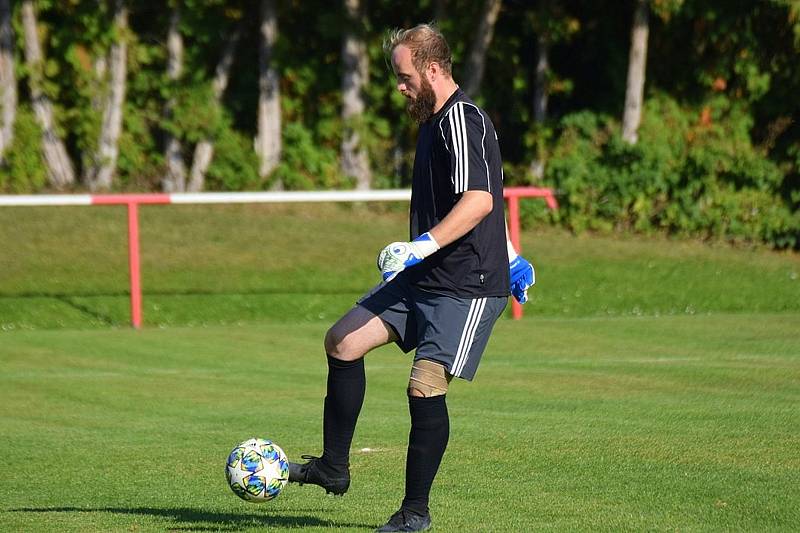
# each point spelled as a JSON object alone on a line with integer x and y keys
{"x": 346, "y": 343}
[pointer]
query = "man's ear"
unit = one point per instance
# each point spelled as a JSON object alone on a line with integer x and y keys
{"x": 433, "y": 71}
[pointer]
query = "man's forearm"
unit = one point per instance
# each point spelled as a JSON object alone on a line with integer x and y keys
{"x": 465, "y": 215}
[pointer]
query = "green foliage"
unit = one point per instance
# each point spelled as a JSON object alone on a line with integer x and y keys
{"x": 140, "y": 163}
{"x": 23, "y": 170}
{"x": 235, "y": 165}
{"x": 306, "y": 164}
{"x": 719, "y": 138}
{"x": 697, "y": 179}
{"x": 195, "y": 114}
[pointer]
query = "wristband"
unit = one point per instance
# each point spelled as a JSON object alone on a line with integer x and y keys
{"x": 426, "y": 244}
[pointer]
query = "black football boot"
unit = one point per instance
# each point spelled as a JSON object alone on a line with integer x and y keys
{"x": 406, "y": 520}
{"x": 316, "y": 472}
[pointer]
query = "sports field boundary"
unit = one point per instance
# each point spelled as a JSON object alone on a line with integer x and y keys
{"x": 132, "y": 201}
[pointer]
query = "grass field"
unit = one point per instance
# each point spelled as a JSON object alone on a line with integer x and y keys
{"x": 652, "y": 385}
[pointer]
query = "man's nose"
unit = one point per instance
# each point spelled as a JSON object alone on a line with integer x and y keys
{"x": 401, "y": 87}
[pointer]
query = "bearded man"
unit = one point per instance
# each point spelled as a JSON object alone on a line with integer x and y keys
{"x": 442, "y": 290}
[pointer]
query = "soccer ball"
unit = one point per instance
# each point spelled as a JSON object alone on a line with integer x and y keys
{"x": 257, "y": 470}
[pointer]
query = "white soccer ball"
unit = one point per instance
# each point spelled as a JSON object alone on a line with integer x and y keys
{"x": 257, "y": 470}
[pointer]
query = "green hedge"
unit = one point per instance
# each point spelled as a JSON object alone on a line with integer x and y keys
{"x": 693, "y": 172}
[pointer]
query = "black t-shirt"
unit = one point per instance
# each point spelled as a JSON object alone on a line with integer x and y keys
{"x": 457, "y": 151}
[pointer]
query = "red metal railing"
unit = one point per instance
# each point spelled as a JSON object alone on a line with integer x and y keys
{"x": 132, "y": 201}
{"x": 512, "y": 196}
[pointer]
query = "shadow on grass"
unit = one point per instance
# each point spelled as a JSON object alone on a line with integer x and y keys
{"x": 187, "y": 519}
{"x": 97, "y": 315}
{"x": 72, "y": 299}
{"x": 327, "y": 291}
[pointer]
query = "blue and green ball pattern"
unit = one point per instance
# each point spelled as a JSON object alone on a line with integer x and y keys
{"x": 257, "y": 470}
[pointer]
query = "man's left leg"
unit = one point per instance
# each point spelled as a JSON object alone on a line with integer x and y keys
{"x": 430, "y": 431}
{"x": 427, "y": 441}
{"x": 453, "y": 334}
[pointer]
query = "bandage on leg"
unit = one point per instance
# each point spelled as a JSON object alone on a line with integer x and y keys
{"x": 428, "y": 379}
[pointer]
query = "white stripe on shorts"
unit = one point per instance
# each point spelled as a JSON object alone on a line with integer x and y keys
{"x": 468, "y": 335}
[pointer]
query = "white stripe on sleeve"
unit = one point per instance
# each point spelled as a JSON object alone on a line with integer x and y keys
{"x": 459, "y": 138}
{"x": 465, "y": 151}
{"x": 483, "y": 147}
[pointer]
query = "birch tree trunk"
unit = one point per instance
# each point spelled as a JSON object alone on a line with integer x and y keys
{"x": 8, "y": 82}
{"x": 100, "y": 73}
{"x": 204, "y": 151}
{"x": 100, "y": 175}
{"x": 637, "y": 62}
{"x": 355, "y": 160}
{"x": 268, "y": 141}
{"x": 60, "y": 171}
{"x": 175, "y": 180}
{"x": 541, "y": 92}
{"x": 476, "y": 61}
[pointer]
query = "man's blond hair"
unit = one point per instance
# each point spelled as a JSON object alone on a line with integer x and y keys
{"x": 426, "y": 43}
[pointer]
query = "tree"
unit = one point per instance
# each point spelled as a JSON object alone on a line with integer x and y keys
{"x": 637, "y": 63}
{"x": 8, "y": 82}
{"x": 355, "y": 160}
{"x": 541, "y": 89}
{"x": 268, "y": 142}
{"x": 476, "y": 61}
{"x": 204, "y": 150}
{"x": 60, "y": 171}
{"x": 552, "y": 25}
{"x": 99, "y": 174}
{"x": 541, "y": 93}
{"x": 175, "y": 178}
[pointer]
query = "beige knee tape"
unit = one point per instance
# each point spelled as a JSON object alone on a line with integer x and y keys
{"x": 428, "y": 379}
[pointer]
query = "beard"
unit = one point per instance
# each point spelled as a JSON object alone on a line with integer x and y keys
{"x": 421, "y": 107}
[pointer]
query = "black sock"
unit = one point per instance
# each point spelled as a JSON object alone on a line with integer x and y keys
{"x": 346, "y": 386}
{"x": 430, "y": 430}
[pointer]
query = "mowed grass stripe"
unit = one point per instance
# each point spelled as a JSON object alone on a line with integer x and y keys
{"x": 227, "y": 264}
{"x": 593, "y": 424}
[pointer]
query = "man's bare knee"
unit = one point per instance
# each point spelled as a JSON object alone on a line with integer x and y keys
{"x": 338, "y": 347}
{"x": 355, "y": 334}
{"x": 331, "y": 342}
{"x": 428, "y": 379}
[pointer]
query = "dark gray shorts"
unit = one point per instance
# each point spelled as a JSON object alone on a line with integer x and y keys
{"x": 449, "y": 330}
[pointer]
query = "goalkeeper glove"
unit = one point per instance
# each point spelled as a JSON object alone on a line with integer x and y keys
{"x": 398, "y": 256}
{"x": 522, "y": 273}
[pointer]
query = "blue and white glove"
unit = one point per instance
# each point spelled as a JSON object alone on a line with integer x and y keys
{"x": 523, "y": 276}
{"x": 398, "y": 256}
